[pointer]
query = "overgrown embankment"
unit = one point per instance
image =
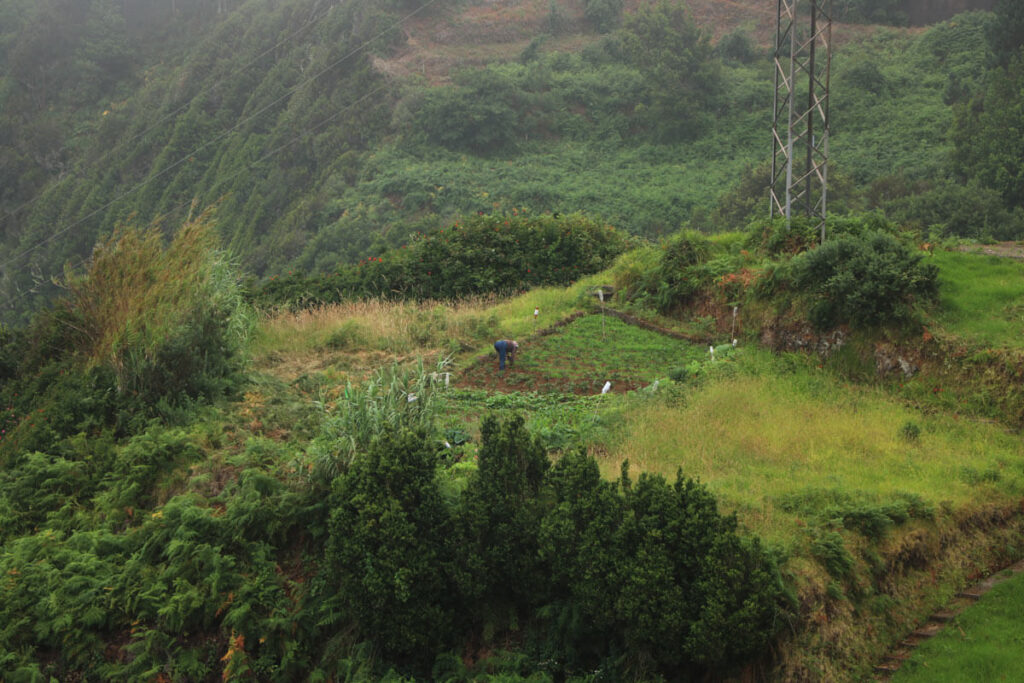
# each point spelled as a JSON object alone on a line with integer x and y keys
{"x": 884, "y": 502}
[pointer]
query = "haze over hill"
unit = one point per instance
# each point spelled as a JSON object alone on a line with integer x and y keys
{"x": 325, "y": 132}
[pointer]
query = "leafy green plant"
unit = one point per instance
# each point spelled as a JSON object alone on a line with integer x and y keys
{"x": 633, "y": 572}
{"x": 389, "y": 549}
{"x": 481, "y": 254}
{"x": 869, "y": 280}
{"x": 500, "y": 575}
{"x": 910, "y": 431}
{"x": 829, "y": 549}
{"x": 395, "y": 398}
{"x": 680, "y": 273}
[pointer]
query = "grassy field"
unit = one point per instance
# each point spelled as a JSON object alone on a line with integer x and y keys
{"x": 982, "y": 644}
{"x": 771, "y": 435}
{"x": 357, "y": 337}
{"x": 981, "y": 298}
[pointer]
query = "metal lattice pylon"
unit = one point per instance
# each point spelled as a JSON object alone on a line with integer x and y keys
{"x": 800, "y": 123}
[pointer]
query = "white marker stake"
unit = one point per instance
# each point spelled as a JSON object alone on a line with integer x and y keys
{"x": 447, "y": 445}
{"x": 607, "y": 388}
{"x": 712, "y": 350}
{"x": 411, "y": 398}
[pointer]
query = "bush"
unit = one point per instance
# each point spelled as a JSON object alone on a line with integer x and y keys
{"x": 910, "y": 432}
{"x": 500, "y": 575}
{"x": 605, "y": 15}
{"x": 654, "y": 576}
{"x": 682, "y": 75}
{"x": 774, "y": 237}
{"x": 738, "y": 46}
{"x": 169, "y": 323}
{"x": 389, "y": 551}
{"x": 394, "y": 399}
{"x": 869, "y": 280}
{"x": 680, "y": 273}
{"x": 482, "y": 254}
{"x": 347, "y": 337}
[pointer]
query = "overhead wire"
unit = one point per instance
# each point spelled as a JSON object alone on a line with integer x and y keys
{"x": 221, "y": 136}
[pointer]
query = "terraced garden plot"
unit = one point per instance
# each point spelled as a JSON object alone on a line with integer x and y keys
{"x": 580, "y": 358}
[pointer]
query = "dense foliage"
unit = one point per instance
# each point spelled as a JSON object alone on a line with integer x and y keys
{"x": 867, "y": 280}
{"x": 141, "y": 332}
{"x": 630, "y": 578}
{"x": 866, "y": 273}
{"x": 989, "y": 135}
{"x": 395, "y": 571}
{"x": 482, "y": 254}
{"x": 282, "y": 116}
{"x": 145, "y": 536}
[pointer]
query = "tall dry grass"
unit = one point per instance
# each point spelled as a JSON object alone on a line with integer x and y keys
{"x": 469, "y": 325}
{"x": 137, "y": 301}
{"x": 371, "y": 325}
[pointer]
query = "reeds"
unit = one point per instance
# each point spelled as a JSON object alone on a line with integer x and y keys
{"x": 395, "y": 398}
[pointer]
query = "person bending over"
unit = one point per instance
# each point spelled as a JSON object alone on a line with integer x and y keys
{"x": 506, "y": 347}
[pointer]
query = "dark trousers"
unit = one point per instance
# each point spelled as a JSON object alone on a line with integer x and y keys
{"x": 502, "y": 348}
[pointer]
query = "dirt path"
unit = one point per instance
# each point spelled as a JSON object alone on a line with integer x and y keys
{"x": 937, "y": 621}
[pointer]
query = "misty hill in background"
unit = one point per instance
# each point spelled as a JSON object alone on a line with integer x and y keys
{"x": 326, "y": 131}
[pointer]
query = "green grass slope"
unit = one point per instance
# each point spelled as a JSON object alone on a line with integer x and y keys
{"x": 982, "y": 643}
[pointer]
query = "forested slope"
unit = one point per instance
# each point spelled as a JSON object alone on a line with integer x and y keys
{"x": 306, "y": 124}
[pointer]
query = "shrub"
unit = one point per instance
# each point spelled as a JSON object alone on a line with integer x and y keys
{"x": 389, "y": 550}
{"x": 828, "y": 548}
{"x": 678, "y": 64}
{"x": 347, "y": 337}
{"x": 680, "y": 273}
{"x": 774, "y": 237}
{"x": 394, "y": 399}
{"x": 635, "y": 274}
{"x": 481, "y": 254}
{"x": 738, "y": 46}
{"x": 654, "y": 576}
{"x": 910, "y": 432}
{"x": 869, "y": 280}
{"x": 168, "y": 322}
{"x": 500, "y": 575}
{"x": 603, "y": 14}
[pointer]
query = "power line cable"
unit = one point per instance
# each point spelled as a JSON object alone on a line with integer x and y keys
{"x": 231, "y": 130}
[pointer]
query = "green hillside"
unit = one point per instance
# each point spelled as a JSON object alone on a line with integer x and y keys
{"x": 286, "y": 118}
{"x": 192, "y": 488}
{"x": 260, "y": 432}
